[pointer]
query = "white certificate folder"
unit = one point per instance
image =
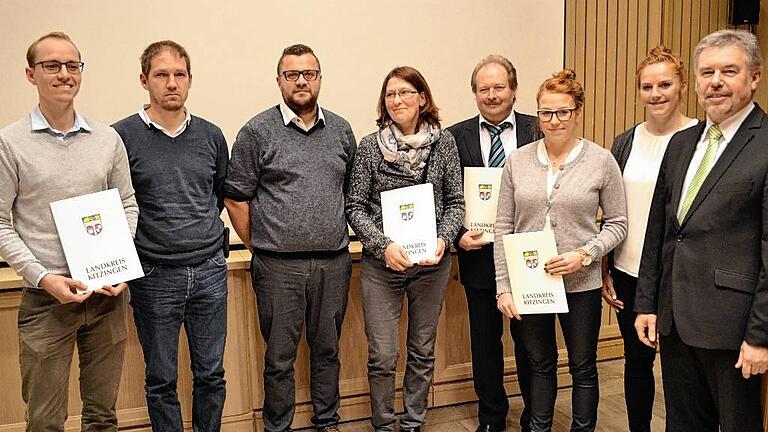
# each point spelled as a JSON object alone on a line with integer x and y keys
{"x": 534, "y": 290}
{"x": 409, "y": 220}
{"x": 96, "y": 239}
{"x": 481, "y": 195}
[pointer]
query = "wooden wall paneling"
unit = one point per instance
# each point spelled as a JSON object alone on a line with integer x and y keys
{"x": 655, "y": 10}
{"x": 609, "y": 112}
{"x": 12, "y": 412}
{"x": 452, "y": 379}
{"x": 587, "y": 76}
{"x": 762, "y": 36}
{"x": 631, "y": 56}
{"x": 642, "y": 51}
{"x": 601, "y": 67}
{"x": 623, "y": 91}
{"x": 569, "y": 34}
{"x": 580, "y": 35}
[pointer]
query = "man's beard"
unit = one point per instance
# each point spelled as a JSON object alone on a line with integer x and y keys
{"x": 304, "y": 107}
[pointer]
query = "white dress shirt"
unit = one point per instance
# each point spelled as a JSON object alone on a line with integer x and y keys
{"x": 173, "y": 134}
{"x": 291, "y": 117}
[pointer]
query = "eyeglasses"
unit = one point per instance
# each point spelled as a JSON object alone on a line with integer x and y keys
{"x": 563, "y": 114}
{"x": 404, "y": 94}
{"x": 309, "y": 74}
{"x": 54, "y": 66}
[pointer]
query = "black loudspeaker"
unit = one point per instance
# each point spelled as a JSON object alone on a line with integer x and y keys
{"x": 745, "y": 12}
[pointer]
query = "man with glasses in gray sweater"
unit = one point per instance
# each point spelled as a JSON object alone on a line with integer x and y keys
{"x": 285, "y": 194}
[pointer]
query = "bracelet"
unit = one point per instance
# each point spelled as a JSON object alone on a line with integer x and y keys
{"x": 501, "y": 294}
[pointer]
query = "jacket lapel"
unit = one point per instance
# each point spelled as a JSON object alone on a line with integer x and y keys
{"x": 472, "y": 140}
{"x": 524, "y": 131}
{"x": 743, "y": 136}
{"x": 689, "y": 139}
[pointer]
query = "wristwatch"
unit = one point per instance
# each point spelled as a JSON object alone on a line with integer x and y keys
{"x": 586, "y": 258}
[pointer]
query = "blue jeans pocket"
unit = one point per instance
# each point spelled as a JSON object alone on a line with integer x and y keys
{"x": 218, "y": 259}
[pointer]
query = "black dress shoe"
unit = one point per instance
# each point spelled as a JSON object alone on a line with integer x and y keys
{"x": 413, "y": 429}
{"x": 489, "y": 428}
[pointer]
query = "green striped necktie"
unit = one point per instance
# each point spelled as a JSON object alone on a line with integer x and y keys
{"x": 714, "y": 134}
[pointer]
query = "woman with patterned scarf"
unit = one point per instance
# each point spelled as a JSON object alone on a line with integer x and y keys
{"x": 409, "y": 149}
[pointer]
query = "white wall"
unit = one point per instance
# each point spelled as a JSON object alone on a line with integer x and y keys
{"x": 235, "y": 44}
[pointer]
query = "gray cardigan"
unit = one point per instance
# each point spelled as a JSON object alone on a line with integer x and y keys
{"x": 370, "y": 177}
{"x": 590, "y": 181}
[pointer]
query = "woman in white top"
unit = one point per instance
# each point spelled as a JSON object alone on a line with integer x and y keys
{"x": 661, "y": 79}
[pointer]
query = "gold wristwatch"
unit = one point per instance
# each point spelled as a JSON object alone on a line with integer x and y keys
{"x": 586, "y": 258}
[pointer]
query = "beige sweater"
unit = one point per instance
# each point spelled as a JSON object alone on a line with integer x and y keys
{"x": 589, "y": 181}
{"x": 36, "y": 169}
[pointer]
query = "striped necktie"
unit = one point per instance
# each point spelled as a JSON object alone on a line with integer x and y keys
{"x": 496, "y": 158}
{"x": 714, "y": 134}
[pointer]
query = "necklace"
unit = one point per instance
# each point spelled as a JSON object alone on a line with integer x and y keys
{"x": 556, "y": 163}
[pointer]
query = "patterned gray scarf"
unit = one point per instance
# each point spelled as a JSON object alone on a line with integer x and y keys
{"x": 408, "y": 153}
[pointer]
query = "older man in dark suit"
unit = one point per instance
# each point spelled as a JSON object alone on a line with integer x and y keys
{"x": 702, "y": 281}
{"x": 484, "y": 141}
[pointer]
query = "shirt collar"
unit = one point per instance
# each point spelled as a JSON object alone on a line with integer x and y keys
{"x": 40, "y": 123}
{"x": 290, "y": 117}
{"x": 510, "y": 119}
{"x": 731, "y": 125}
{"x": 148, "y": 121}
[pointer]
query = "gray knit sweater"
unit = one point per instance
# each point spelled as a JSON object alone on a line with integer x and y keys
{"x": 368, "y": 181}
{"x": 295, "y": 181}
{"x": 36, "y": 169}
{"x": 589, "y": 181}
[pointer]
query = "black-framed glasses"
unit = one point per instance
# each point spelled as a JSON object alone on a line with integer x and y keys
{"x": 563, "y": 114}
{"x": 403, "y": 93}
{"x": 309, "y": 74}
{"x": 54, "y": 66}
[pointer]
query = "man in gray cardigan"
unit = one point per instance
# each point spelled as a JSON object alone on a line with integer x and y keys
{"x": 285, "y": 194}
{"x": 52, "y": 154}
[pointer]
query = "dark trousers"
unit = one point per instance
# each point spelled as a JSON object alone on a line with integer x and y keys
{"x": 48, "y": 333}
{"x": 639, "y": 382}
{"x": 164, "y": 299}
{"x": 581, "y": 326}
{"x": 702, "y": 389}
{"x": 382, "y": 291}
{"x": 291, "y": 292}
{"x": 486, "y": 326}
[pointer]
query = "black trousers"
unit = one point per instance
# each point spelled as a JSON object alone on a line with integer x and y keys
{"x": 704, "y": 392}
{"x": 639, "y": 382}
{"x": 581, "y": 326}
{"x": 486, "y": 326}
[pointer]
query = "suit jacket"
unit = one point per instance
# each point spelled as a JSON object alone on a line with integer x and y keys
{"x": 476, "y": 268}
{"x": 707, "y": 275}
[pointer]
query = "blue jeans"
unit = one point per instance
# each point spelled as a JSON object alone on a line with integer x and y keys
{"x": 162, "y": 300}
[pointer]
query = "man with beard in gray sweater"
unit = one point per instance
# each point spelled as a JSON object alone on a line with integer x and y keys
{"x": 285, "y": 194}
